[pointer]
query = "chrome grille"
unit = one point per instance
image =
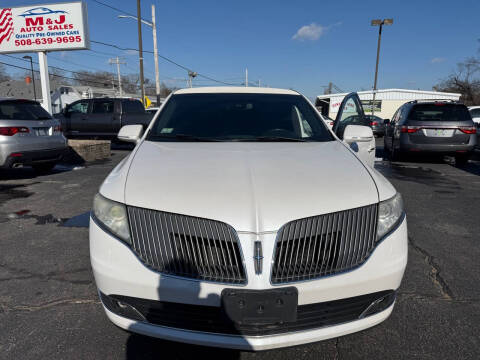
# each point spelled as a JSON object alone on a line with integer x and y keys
{"x": 324, "y": 245}
{"x": 186, "y": 246}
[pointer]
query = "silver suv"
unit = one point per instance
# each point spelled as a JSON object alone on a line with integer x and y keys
{"x": 29, "y": 136}
{"x": 436, "y": 127}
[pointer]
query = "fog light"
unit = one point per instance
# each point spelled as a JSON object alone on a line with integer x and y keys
{"x": 379, "y": 305}
{"x": 120, "y": 307}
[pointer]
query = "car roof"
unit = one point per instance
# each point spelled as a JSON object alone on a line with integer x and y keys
{"x": 235, "y": 90}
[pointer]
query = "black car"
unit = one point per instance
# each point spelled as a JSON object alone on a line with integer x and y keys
{"x": 437, "y": 127}
{"x": 377, "y": 124}
{"x": 102, "y": 117}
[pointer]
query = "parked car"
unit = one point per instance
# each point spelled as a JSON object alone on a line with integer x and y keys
{"x": 29, "y": 136}
{"x": 102, "y": 117}
{"x": 475, "y": 113}
{"x": 437, "y": 127}
{"x": 239, "y": 220}
{"x": 377, "y": 124}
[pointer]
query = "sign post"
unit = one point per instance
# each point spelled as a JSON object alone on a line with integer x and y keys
{"x": 45, "y": 81}
{"x": 42, "y": 28}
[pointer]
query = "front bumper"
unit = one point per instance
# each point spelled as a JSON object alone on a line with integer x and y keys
{"x": 118, "y": 271}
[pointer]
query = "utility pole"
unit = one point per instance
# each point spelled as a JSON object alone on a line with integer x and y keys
{"x": 140, "y": 49}
{"x": 155, "y": 50}
{"x": 246, "y": 77}
{"x": 380, "y": 23}
{"x": 155, "y": 47}
{"x": 118, "y": 62}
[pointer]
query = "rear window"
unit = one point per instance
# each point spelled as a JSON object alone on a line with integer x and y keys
{"x": 132, "y": 106}
{"x": 22, "y": 110}
{"x": 439, "y": 112}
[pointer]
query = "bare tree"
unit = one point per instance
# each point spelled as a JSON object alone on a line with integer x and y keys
{"x": 464, "y": 80}
{"x": 97, "y": 78}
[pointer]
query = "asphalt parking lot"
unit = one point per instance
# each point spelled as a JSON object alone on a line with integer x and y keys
{"x": 49, "y": 308}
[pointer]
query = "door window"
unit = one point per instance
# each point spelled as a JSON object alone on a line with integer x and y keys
{"x": 349, "y": 113}
{"x": 80, "y": 107}
{"x": 103, "y": 107}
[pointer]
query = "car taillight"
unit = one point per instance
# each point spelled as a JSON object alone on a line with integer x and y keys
{"x": 468, "y": 129}
{"x": 12, "y": 130}
{"x": 373, "y": 123}
{"x": 410, "y": 129}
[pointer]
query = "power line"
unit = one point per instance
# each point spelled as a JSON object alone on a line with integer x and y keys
{"x": 165, "y": 58}
{"x": 114, "y": 8}
{"x": 55, "y": 75}
{"x": 59, "y": 68}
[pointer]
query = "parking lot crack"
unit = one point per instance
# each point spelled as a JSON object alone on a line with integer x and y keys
{"x": 46, "y": 305}
{"x": 435, "y": 271}
{"x": 22, "y": 274}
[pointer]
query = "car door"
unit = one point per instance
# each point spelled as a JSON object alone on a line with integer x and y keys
{"x": 101, "y": 118}
{"x": 390, "y": 127}
{"x": 77, "y": 114}
{"x": 351, "y": 112}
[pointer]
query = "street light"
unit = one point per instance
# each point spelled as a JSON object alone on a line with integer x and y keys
{"x": 380, "y": 23}
{"x": 155, "y": 49}
{"x": 33, "y": 75}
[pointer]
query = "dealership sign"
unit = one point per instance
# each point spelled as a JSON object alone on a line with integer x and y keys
{"x": 61, "y": 26}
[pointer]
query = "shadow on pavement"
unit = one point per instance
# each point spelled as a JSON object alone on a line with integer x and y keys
{"x": 144, "y": 347}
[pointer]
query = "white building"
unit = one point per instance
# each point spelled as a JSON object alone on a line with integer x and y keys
{"x": 387, "y": 101}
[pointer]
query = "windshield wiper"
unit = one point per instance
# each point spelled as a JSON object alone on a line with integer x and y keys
{"x": 271, "y": 139}
{"x": 183, "y": 137}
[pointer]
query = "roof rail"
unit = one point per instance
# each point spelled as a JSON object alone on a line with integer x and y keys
{"x": 432, "y": 100}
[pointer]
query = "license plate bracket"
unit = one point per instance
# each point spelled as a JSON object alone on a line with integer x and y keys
{"x": 260, "y": 307}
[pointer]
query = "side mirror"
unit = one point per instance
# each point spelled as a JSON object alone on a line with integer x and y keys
{"x": 386, "y": 121}
{"x": 357, "y": 133}
{"x": 130, "y": 133}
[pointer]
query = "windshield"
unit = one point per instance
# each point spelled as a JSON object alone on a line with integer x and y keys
{"x": 439, "y": 112}
{"x": 22, "y": 110}
{"x": 238, "y": 117}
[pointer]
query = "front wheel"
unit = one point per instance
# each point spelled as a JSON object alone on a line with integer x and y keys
{"x": 44, "y": 168}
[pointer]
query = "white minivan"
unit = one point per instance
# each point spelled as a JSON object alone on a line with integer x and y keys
{"x": 240, "y": 220}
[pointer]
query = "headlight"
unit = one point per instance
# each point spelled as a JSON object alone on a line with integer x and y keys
{"x": 389, "y": 214}
{"x": 113, "y": 215}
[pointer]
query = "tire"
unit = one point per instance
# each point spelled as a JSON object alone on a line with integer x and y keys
{"x": 461, "y": 160}
{"x": 44, "y": 168}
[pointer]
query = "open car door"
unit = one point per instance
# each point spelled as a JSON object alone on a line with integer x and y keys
{"x": 353, "y": 128}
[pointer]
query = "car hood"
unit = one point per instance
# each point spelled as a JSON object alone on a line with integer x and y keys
{"x": 254, "y": 187}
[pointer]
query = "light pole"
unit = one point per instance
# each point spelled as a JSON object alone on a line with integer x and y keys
{"x": 33, "y": 75}
{"x": 155, "y": 48}
{"x": 380, "y": 23}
